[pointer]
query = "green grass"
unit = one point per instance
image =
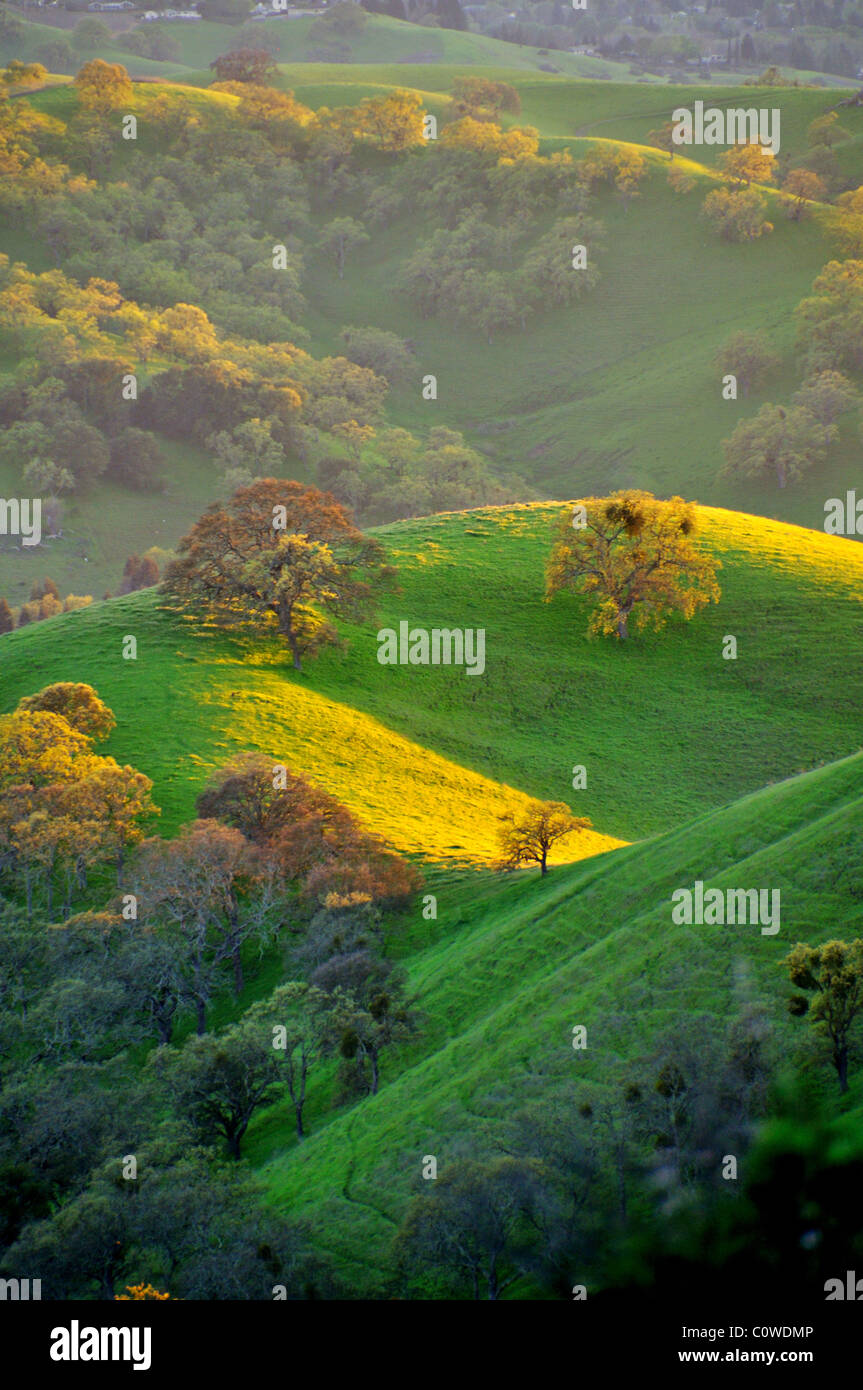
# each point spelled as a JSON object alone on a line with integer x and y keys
{"x": 664, "y": 725}
{"x": 382, "y": 40}
{"x": 692, "y": 752}
{"x": 593, "y": 944}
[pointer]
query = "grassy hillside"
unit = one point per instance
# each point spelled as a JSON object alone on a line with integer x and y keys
{"x": 593, "y": 944}
{"x": 617, "y": 389}
{"x": 381, "y": 40}
{"x": 665, "y": 727}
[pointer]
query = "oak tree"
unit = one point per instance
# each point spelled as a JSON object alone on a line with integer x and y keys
{"x": 636, "y": 556}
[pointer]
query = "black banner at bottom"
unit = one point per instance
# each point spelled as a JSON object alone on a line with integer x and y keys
{"x": 611, "y": 1333}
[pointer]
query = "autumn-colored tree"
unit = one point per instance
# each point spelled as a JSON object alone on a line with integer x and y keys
{"x": 833, "y": 974}
{"x": 19, "y": 74}
{"x": 484, "y": 99}
{"x": 748, "y": 356}
{"x": 77, "y": 703}
{"x": 139, "y": 572}
{"x": 309, "y": 834}
{"x": 255, "y": 794}
{"x": 103, "y": 87}
{"x": 779, "y": 442}
{"x": 123, "y": 800}
{"x": 278, "y": 115}
{"x": 737, "y": 215}
{"x": 38, "y": 748}
{"x": 141, "y": 1293}
{"x": 270, "y": 554}
{"x": 636, "y": 556}
{"x": 393, "y": 123}
{"x": 7, "y": 622}
{"x": 831, "y": 319}
{"x": 851, "y": 222}
{"x": 528, "y": 836}
{"x": 804, "y": 186}
{"x": 620, "y": 167}
{"x": 40, "y": 587}
{"x": 747, "y": 163}
{"x": 248, "y": 65}
{"x": 487, "y": 138}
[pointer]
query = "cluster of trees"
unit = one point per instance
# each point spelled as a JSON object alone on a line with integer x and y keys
{"x": 396, "y": 476}
{"x": 197, "y": 235}
{"x": 461, "y": 272}
{"x": 44, "y": 602}
{"x": 111, "y": 1174}
{"x": 737, "y": 211}
{"x": 633, "y": 1187}
{"x": 66, "y": 430}
{"x": 559, "y": 1196}
{"x": 495, "y": 191}
{"x": 140, "y": 572}
{"x": 782, "y": 443}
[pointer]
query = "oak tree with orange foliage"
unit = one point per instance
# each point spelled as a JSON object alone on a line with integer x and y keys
{"x": 275, "y": 555}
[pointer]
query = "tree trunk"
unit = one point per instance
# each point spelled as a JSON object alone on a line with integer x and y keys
{"x": 622, "y": 626}
{"x": 292, "y": 641}
{"x": 543, "y": 865}
{"x": 238, "y": 971}
{"x": 840, "y": 1061}
{"x": 298, "y": 1108}
{"x": 233, "y": 1145}
{"x": 780, "y": 473}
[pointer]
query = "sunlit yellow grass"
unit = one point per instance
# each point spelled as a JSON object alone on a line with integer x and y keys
{"x": 833, "y": 560}
{"x": 418, "y": 801}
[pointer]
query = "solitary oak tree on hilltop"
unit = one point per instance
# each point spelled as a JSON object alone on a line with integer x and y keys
{"x": 269, "y": 554}
{"x": 637, "y": 556}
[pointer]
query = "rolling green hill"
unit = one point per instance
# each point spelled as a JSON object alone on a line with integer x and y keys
{"x": 665, "y": 727}
{"x": 381, "y": 40}
{"x": 593, "y": 944}
{"x": 693, "y": 752}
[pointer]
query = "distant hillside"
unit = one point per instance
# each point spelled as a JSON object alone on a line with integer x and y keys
{"x": 381, "y": 40}
{"x": 617, "y": 389}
